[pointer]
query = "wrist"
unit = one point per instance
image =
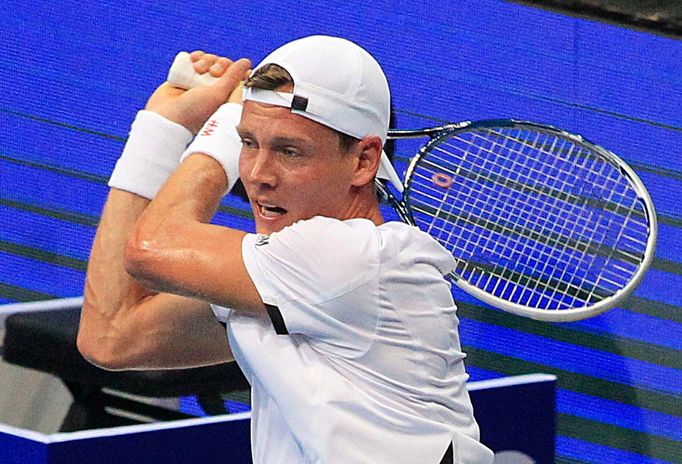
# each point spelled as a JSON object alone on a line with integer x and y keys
{"x": 152, "y": 152}
{"x": 219, "y": 140}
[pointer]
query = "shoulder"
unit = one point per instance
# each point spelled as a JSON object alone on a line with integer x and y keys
{"x": 409, "y": 244}
{"x": 330, "y": 228}
{"x": 321, "y": 252}
{"x": 327, "y": 236}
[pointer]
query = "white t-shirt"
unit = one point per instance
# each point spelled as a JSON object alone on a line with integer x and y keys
{"x": 371, "y": 368}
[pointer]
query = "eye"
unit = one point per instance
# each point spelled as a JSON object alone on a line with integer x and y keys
{"x": 291, "y": 152}
{"x": 248, "y": 143}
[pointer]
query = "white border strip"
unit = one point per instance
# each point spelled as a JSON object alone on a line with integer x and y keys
{"x": 46, "y": 305}
{"x": 510, "y": 381}
{"x": 121, "y": 430}
{"x": 142, "y": 428}
{"x": 24, "y": 433}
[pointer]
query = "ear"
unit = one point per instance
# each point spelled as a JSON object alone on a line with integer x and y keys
{"x": 368, "y": 151}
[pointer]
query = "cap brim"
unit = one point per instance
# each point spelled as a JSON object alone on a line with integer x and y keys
{"x": 387, "y": 171}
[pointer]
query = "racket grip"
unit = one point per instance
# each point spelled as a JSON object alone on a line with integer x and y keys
{"x": 182, "y": 75}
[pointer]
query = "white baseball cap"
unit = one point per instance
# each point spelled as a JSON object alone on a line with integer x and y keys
{"x": 336, "y": 83}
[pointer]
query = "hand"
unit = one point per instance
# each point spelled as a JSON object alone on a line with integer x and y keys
{"x": 191, "y": 108}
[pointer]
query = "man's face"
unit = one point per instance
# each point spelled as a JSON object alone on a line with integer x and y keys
{"x": 292, "y": 168}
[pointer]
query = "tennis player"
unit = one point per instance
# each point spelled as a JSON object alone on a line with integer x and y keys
{"x": 343, "y": 324}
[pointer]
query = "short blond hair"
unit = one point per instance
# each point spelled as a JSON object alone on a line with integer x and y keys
{"x": 273, "y": 77}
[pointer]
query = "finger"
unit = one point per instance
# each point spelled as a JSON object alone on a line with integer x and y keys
{"x": 205, "y": 62}
{"x": 225, "y": 61}
{"x": 216, "y": 69}
{"x": 237, "y": 94}
{"x": 195, "y": 55}
{"x": 210, "y": 58}
{"x": 234, "y": 75}
{"x": 219, "y": 67}
{"x": 201, "y": 65}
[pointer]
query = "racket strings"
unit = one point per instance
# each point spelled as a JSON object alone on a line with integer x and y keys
{"x": 527, "y": 209}
{"x": 478, "y": 269}
{"x": 505, "y": 182}
{"x": 625, "y": 204}
{"x": 547, "y": 185}
{"x": 553, "y": 233}
{"x": 613, "y": 271}
{"x": 599, "y": 172}
{"x": 490, "y": 247}
{"x": 627, "y": 208}
{"x": 572, "y": 232}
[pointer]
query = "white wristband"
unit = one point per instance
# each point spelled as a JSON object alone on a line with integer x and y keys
{"x": 151, "y": 154}
{"x": 219, "y": 140}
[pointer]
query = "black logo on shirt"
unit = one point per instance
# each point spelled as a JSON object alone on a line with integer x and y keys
{"x": 262, "y": 240}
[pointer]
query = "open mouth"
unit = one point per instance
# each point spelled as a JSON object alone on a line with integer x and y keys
{"x": 270, "y": 210}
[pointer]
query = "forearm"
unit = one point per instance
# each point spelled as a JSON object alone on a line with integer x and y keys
{"x": 174, "y": 249}
{"x": 129, "y": 321}
{"x": 126, "y": 326}
{"x": 110, "y": 292}
{"x": 191, "y": 195}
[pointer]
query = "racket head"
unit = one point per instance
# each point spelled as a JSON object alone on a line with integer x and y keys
{"x": 541, "y": 223}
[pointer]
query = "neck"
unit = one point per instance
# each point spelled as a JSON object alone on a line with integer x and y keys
{"x": 364, "y": 204}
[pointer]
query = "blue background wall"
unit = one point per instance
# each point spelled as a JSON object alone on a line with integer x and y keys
{"x": 72, "y": 75}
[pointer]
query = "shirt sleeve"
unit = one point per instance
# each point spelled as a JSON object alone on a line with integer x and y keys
{"x": 322, "y": 275}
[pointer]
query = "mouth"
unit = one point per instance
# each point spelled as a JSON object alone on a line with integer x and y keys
{"x": 269, "y": 210}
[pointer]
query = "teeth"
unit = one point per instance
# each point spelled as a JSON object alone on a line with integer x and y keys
{"x": 268, "y": 210}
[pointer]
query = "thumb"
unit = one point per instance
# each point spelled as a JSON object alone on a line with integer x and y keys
{"x": 233, "y": 76}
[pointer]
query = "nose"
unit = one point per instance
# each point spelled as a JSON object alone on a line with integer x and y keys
{"x": 259, "y": 168}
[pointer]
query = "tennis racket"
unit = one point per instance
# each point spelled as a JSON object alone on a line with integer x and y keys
{"x": 541, "y": 222}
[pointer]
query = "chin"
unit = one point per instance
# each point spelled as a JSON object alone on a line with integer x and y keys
{"x": 268, "y": 226}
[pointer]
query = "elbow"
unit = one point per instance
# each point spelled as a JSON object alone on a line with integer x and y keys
{"x": 100, "y": 348}
{"x": 99, "y": 354}
{"x": 150, "y": 261}
{"x": 139, "y": 257}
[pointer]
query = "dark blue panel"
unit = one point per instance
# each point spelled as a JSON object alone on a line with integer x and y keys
{"x": 570, "y": 357}
{"x": 41, "y": 277}
{"x": 46, "y": 233}
{"x": 19, "y": 450}
{"x": 621, "y": 415}
{"x": 584, "y": 451}
{"x": 39, "y": 187}
{"x": 228, "y": 442}
{"x": 529, "y": 407}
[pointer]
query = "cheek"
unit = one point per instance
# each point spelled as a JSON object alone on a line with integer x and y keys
{"x": 323, "y": 193}
{"x": 244, "y": 164}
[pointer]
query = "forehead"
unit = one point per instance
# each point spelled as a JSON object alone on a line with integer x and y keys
{"x": 266, "y": 120}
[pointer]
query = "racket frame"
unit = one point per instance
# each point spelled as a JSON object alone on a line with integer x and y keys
{"x": 436, "y": 134}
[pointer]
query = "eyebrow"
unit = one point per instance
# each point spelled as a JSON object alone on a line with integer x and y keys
{"x": 276, "y": 141}
{"x": 243, "y": 132}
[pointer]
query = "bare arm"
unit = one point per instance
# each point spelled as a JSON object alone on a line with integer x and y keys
{"x": 124, "y": 324}
{"x": 173, "y": 249}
